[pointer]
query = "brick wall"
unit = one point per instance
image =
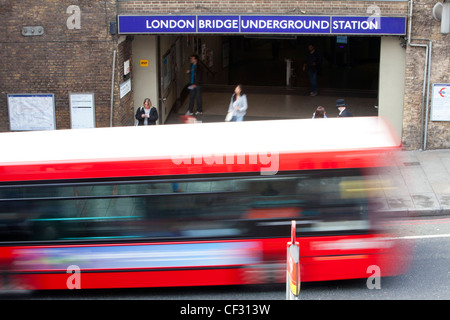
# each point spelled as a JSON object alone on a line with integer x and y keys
{"x": 253, "y": 6}
{"x": 60, "y": 61}
{"x": 124, "y": 111}
{"x": 425, "y": 27}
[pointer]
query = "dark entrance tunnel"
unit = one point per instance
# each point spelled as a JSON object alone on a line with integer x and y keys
{"x": 350, "y": 63}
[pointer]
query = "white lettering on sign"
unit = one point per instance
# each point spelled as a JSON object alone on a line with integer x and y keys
{"x": 374, "y": 23}
{"x": 170, "y": 24}
{"x": 285, "y": 24}
{"x": 218, "y": 24}
{"x": 356, "y": 25}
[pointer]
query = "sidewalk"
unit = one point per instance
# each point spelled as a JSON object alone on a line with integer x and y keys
{"x": 421, "y": 184}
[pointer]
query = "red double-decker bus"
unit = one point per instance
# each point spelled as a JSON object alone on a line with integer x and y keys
{"x": 193, "y": 204}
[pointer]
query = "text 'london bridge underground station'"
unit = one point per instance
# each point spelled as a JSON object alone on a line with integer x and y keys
{"x": 263, "y": 24}
{"x": 285, "y": 24}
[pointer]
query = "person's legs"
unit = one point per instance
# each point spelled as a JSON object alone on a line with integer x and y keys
{"x": 191, "y": 102}
{"x": 199, "y": 99}
{"x": 313, "y": 81}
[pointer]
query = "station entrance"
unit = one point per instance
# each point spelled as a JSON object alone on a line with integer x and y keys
{"x": 359, "y": 69}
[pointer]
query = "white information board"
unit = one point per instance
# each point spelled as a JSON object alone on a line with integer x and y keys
{"x": 82, "y": 110}
{"x": 125, "y": 87}
{"x": 31, "y": 112}
{"x": 440, "y": 102}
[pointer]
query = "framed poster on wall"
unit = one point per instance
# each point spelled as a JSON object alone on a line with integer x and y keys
{"x": 82, "y": 110}
{"x": 166, "y": 70}
{"x": 28, "y": 112}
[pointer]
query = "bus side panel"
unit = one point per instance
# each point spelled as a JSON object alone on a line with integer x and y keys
{"x": 344, "y": 257}
{"x": 109, "y": 168}
{"x": 129, "y": 279}
{"x": 322, "y": 258}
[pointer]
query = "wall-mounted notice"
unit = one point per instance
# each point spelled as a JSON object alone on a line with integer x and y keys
{"x": 124, "y": 87}
{"x": 126, "y": 67}
{"x": 440, "y": 103}
{"x": 31, "y": 112}
{"x": 82, "y": 110}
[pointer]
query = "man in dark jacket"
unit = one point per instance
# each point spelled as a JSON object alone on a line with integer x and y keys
{"x": 195, "y": 80}
{"x": 342, "y": 106}
{"x": 312, "y": 65}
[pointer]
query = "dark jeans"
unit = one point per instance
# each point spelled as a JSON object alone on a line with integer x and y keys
{"x": 196, "y": 93}
{"x": 312, "y": 74}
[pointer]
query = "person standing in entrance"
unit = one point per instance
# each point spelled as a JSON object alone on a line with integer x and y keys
{"x": 319, "y": 113}
{"x": 195, "y": 85}
{"x": 312, "y": 65}
{"x": 342, "y": 106}
{"x": 238, "y": 104}
{"x": 147, "y": 114}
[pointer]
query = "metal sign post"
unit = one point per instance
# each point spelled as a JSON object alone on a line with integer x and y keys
{"x": 293, "y": 267}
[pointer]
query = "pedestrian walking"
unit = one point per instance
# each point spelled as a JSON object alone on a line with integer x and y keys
{"x": 195, "y": 85}
{"x": 238, "y": 104}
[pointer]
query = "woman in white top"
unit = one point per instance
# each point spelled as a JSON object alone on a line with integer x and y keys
{"x": 238, "y": 104}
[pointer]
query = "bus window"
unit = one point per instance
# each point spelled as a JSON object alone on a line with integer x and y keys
{"x": 322, "y": 202}
{"x": 333, "y": 201}
{"x": 334, "y": 205}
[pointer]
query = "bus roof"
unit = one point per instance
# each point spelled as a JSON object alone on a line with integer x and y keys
{"x": 181, "y": 141}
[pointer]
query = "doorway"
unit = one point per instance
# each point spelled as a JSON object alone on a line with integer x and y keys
{"x": 351, "y": 67}
{"x": 348, "y": 62}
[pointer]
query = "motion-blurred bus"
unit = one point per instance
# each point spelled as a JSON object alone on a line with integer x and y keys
{"x": 194, "y": 204}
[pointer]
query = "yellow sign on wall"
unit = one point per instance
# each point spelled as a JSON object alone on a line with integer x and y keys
{"x": 144, "y": 63}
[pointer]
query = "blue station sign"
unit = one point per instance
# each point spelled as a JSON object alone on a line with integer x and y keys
{"x": 261, "y": 24}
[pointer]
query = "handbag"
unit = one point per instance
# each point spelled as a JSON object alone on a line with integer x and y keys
{"x": 229, "y": 116}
